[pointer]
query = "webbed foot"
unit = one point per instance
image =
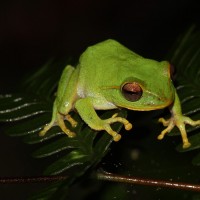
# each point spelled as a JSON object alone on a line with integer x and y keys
{"x": 106, "y": 126}
{"x": 180, "y": 122}
{"x": 59, "y": 121}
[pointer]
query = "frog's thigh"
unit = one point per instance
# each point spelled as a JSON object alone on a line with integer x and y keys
{"x": 64, "y": 80}
{"x": 67, "y": 90}
{"x": 89, "y": 115}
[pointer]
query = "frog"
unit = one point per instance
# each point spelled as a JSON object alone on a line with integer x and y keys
{"x": 111, "y": 76}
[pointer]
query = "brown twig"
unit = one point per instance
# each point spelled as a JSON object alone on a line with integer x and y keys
{"x": 140, "y": 181}
{"x": 16, "y": 180}
{"x": 106, "y": 177}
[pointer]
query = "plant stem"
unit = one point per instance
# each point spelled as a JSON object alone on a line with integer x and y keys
{"x": 16, "y": 180}
{"x": 140, "y": 181}
{"x": 105, "y": 176}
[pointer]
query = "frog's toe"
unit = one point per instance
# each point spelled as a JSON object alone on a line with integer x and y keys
{"x": 128, "y": 126}
{"x": 160, "y": 137}
{"x": 73, "y": 122}
{"x": 67, "y": 131}
{"x": 164, "y": 121}
{"x": 42, "y": 133}
{"x": 186, "y": 145}
{"x": 116, "y": 137}
{"x": 71, "y": 134}
{"x": 46, "y": 128}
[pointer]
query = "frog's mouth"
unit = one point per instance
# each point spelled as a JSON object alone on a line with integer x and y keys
{"x": 149, "y": 105}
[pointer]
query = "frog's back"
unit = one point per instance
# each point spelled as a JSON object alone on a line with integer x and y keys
{"x": 104, "y": 53}
{"x": 100, "y": 63}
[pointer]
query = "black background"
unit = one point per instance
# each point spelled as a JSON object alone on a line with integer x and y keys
{"x": 31, "y": 32}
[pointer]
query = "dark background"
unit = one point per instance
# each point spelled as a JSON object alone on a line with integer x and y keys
{"x": 32, "y": 32}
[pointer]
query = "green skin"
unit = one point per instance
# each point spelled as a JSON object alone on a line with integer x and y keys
{"x": 97, "y": 83}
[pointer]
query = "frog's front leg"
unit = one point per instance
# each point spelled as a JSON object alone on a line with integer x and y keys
{"x": 179, "y": 120}
{"x": 88, "y": 114}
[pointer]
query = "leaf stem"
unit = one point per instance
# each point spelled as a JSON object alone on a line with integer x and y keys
{"x": 41, "y": 179}
{"x": 140, "y": 181}
{"x": 105, "y": 176}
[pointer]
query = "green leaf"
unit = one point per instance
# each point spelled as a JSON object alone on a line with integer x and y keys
{"x": 74, "y": 158}
{"x": 82, "y": 146}
{"x": 31, "y": 125}
{"x": 47, "y": 78}
{"x": 30, "y": 112}
{"x": 19, "y": 107}
{"x": 186, "y": 58}
{"x": 77, "y": 154}
{"x": 47, "y": 192}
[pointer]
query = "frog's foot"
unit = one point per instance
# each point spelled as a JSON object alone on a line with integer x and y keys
{"x": 127, "y": 125}
{"x": 60, "y": 122}
{"x": 180, "y": 122}
{"x": 71, "y": 120}
{"x": 113, "y": 119}
{"x": 47, "y": 127}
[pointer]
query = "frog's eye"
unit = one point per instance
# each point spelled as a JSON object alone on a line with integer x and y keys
{"x": 132, "y": 91}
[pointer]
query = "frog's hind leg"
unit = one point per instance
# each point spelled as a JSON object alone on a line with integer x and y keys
{"x": 66, "y": 93}
{"x": 61, "y": 123}
{"x": 58, "y": 120}
{"x": 52, "y": 123}
{"x": 71, "y": 120}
